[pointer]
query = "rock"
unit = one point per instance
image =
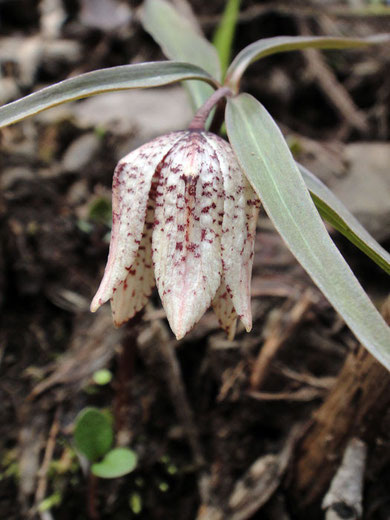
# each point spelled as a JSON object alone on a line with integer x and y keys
{"x": 106, "y": 15}
{"x": 29, "y": 54}
{"x": 59, "y": 51}
{"x": 77, "y": 193}
{"x": 11, "y": 176}
{"x": 55, "y": 115}
{"x": 80, "y": 153}
{"x": 9, "y": 90}
{"x": 365, "y": 189}
{"x": 147, "y": 113}
{"x": 53, "y": 16}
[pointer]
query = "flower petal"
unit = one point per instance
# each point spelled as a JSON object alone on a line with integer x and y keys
{"x": 241, "y": 209}
{"x": 224, "y": 309}
{"x": 186, "y": 237}
{"x": 132, "y": 295}
{"x": 130, "y": 192}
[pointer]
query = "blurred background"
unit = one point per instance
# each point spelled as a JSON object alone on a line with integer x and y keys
{"x": 55, "y": 215}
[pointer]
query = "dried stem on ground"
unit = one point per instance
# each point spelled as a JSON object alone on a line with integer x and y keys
{"x": 281, "y": 330}
{"x": 48, "y": 456}
{"x": 179, "y": 398}
{"x": 124, "y": 381}
{"x": 355, "y": 407}
{"x": 327, "y": 81}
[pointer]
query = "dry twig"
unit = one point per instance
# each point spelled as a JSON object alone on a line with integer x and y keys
{"x": 47, "y": 458}
{"x": 303, "y": 395}
{"x": 331, "y": 87}
{"x": 280, "y": 330}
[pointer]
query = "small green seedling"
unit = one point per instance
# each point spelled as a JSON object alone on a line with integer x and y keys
{"x": 93, "y": 437}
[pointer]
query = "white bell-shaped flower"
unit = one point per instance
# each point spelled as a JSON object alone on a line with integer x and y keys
{"x": 184, "y": 217}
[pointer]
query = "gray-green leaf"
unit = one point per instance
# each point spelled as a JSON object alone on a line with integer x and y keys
{"x": 224, "y": 33}
{"x": 179, "y": 41}
{"x": 334, "y": 211}
{"x": 116, "y": 463}
{"x": 267, "y": 161}
{"x": 93, "y": 434}
{"x": 140, "y": 75}
{"x": 267, "y": 46}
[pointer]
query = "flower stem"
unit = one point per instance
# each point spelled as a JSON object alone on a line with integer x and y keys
{"x": 93, "y": 513}
{"x": 199, "y": 121}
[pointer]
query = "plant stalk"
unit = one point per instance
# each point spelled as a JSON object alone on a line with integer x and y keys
{"x": 93, "y": 513}
{"x": 200, "y": 118}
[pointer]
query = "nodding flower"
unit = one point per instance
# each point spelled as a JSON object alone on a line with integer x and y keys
{"x": 184, "y": 218}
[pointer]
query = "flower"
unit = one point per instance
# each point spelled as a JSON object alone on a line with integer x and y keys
{"x": 184, "y": 217}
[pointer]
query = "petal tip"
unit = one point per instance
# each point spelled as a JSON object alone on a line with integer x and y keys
{"x": 248, "y": 326}
{"x": 95, "y": 305}
{"x": 179, "y": 329}
{"x": 246, "y": 320}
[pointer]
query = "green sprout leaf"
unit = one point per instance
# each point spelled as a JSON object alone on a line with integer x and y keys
{"x": 224, "y": 35}
{"x": 102, "y": 377}
{"x": 180, "y": 41}
{"x": 267, "y": 46}
{"x": 140, "y": 75}
{"x": 135, "y": 503}
{"x": 93, "y": 434}
{"x": 50, "y": 502}
{"x": 334, "y": 211}
{"x": 267, "y": 161}
{"x": 116, "y": 463}
{"x": 163, "y": 486}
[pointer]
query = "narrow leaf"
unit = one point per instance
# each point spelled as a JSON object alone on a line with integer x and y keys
{"x": 271, "y": 169}
{"x": 92, "y": 434}
{"x": 267, "y": 46}
{"x": 142, "y": 75}
{"x": 224, "y": 35}
{"x": 334, "y": 211}
{"x": 117, "y": 463}
{"x": 180, "y": 41}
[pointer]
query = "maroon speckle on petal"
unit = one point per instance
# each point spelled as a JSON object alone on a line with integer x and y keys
{"x": 192, "y": 246}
